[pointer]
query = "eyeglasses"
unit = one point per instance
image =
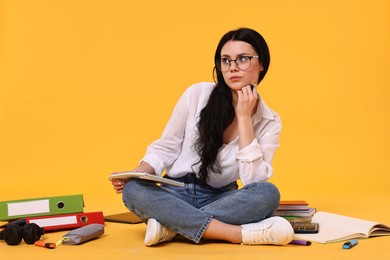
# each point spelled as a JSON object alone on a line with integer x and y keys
{"x": 242, "y": 62}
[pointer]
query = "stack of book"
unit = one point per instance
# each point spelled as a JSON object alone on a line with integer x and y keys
{"x": 50, "y": 213}
{"x": 295, "y": 210}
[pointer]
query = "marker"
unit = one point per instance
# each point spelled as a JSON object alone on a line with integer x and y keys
{"x": 301, "y": 242}
{"x": 350, "y": 244}
{"x": 44, "y": 244}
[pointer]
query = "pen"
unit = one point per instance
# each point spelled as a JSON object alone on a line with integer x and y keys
{"x": 300, "y": 242}
{"x": 350, "y": 244}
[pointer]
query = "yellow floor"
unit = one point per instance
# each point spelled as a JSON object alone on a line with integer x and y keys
{"x": 125, "y": 241}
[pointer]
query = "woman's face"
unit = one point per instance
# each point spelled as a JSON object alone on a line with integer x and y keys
{"x": 235, "y": 77}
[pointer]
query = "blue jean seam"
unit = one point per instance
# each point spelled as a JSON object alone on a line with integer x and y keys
{"x": 199, "y": 236}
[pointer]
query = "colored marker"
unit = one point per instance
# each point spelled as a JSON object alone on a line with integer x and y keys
{"x": 44, "y": 244}
{"x": 301, "y": 242}
{"x": 350, "y": 244}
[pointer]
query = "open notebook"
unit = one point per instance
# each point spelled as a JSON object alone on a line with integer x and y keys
{"x": 145, "y": 176}
{"x": 335, "y": 228}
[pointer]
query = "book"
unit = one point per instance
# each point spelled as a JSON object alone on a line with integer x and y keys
{"x": 145, "y": 176}
{"x": 296, "y": 219}
{"x": 336, "y": 228}
{"x": 16, "y": 209}
{"x": 296, "y": 213}
{"x": 293, "y": 205}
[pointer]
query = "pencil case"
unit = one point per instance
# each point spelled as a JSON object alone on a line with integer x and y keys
{"x": 83, "y": 234}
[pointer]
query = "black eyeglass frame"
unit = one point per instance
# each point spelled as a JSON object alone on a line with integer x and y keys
{"x": 219, "y": 62}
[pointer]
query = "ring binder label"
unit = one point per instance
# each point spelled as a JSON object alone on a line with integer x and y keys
{"x": 29, "y": 207}
{"x": 55, "y": 221}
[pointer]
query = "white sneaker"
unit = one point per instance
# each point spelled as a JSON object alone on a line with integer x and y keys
{"x": 274, "y": 231}
{"x": 157, "y": 233}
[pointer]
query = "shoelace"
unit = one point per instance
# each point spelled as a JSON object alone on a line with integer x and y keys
{"x": 259, "y": 235}
{"x": 166, "y": 234}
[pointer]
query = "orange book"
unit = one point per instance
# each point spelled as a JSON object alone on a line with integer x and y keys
{"x": 293, "y": 205}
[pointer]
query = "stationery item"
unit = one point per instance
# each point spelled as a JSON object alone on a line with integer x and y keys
{"x": 145, "y": 176}
{"x": 45, "y": 244}
{"x": 15, "y": 209}
{"x": 83, "y": 234}
{"x": 302, "y": 219}
{"x": 350, "y": 244}
{"x": 335, "y": 228}
{"x": 300, "y": 242}
{"x": 293, "y": 205}
{"x": 126, "y": 218}
{"x": 67, "y": 221}
{"x": 301, "y": 227}
{"x": 296, "y": 213}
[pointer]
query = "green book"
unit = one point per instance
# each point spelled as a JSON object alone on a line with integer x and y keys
{"x": 16, "y": 209}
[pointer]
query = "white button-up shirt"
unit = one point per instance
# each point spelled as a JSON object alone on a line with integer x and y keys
{"x": 174, "y": 151}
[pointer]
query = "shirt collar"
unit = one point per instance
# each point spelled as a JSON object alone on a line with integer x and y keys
{"x": 263, "y": 111}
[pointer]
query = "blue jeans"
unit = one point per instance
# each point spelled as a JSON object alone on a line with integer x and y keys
{"x": 189, "y": 210}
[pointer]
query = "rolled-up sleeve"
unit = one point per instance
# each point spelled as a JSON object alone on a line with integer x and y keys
{"x": 164, "y": 151}
{"x": 255, "y": 160}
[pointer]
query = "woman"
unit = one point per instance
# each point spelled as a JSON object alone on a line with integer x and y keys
{"x": 218, "y": 133}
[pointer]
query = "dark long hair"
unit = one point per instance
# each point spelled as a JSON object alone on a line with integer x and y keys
{"x": 219, "y": 113}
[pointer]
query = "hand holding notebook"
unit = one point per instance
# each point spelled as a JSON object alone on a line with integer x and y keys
{"x": 145, "y": 176}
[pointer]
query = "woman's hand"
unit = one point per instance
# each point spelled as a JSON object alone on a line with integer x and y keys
{"x": 142, "y": 167}
{"x": 246, "y": 101}
{"x": 245, "y": 107}
{"x": 118, "y": 185}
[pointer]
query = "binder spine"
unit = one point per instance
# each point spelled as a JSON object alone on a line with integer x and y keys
{"x": 11, "y": 210}
{"x": 68, "y": 221}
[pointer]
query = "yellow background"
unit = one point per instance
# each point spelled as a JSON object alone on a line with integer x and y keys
{"x": 85, "y": 86}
